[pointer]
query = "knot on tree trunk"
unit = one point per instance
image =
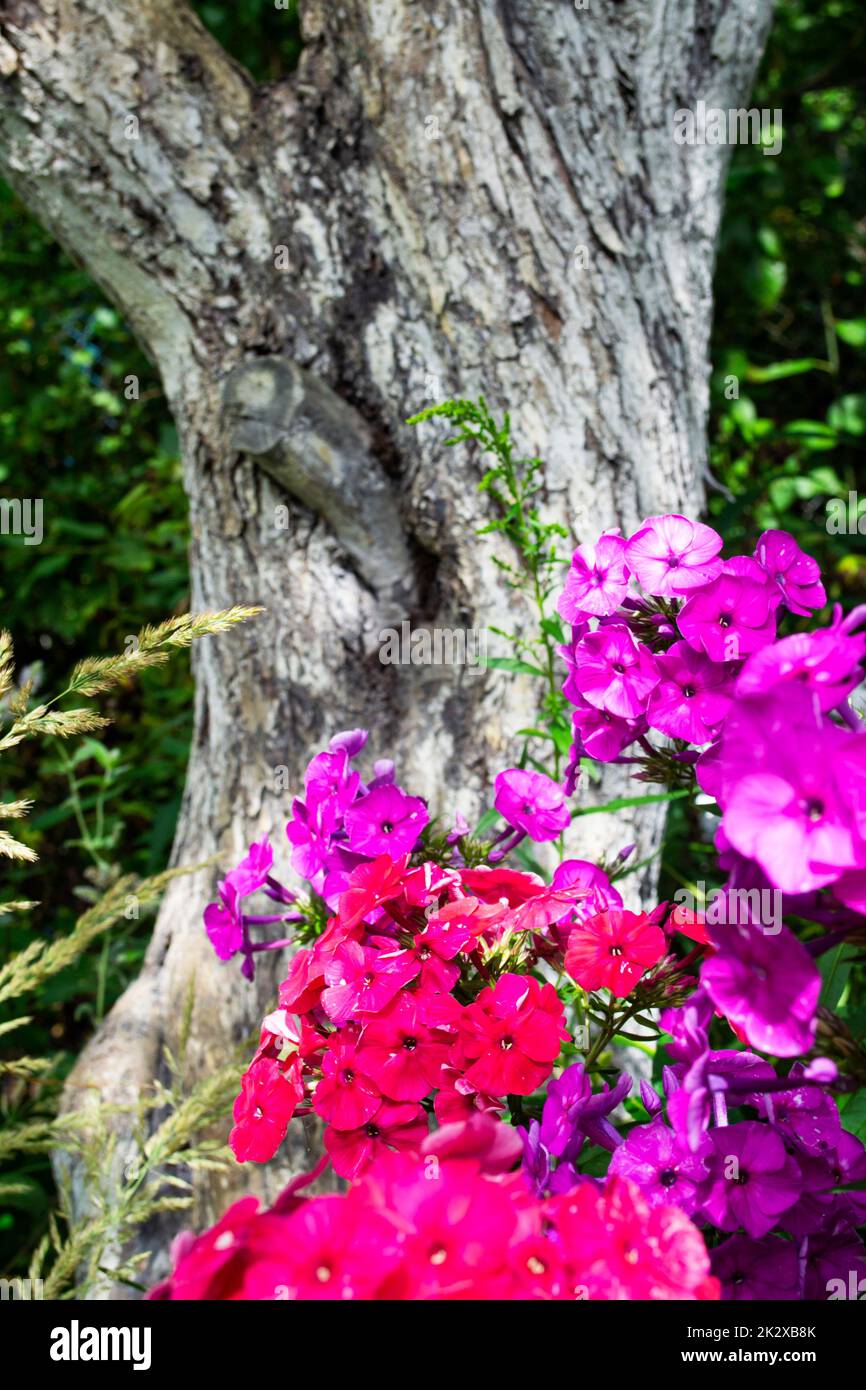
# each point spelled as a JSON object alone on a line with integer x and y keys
{"x": 320, "y": 450}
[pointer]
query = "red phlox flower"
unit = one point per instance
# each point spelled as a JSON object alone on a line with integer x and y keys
{"x": 402, "y": 1053}
{"x": 393, "y": 1126}
{"x": 509, "y": 887}
{"x": 690, "y": 923}
{"x": 370, "y": 885}
{"x": 612, "y": 950}
{"x": 346, "y": 1096}
{"x": 510, "y": 1037}
{"x": 269, "y": 1096}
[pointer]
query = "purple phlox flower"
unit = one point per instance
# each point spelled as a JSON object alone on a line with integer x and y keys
{"x": 703, "y": 1091}
{"x": 531, "y": 802}
{"x": 693, "y": 694}
{"x": 752, "y": 1180}
{"x": 671, "y": 555}
{"x": 757, "y": 1269}
{"x": 329, "y": 776}
{"x": 351, "y": 741}
{"x": 652, "y": 1101}
{"x": 310, "y": 832}
{"x": 818, "y": 1208}
{"x": 766, "y": 986}
{"x": 688, "y": 1025}
{"x": 839, "y": 1165}
{"x": 573, "y": 1114}
{"x": 792, "y": 787}
{"x": 223, "y": 919}
{"x": 666, "y": 1171}
{"x": 796, "y": 575}
{"x": 732, "y": 616}
{"x": 384, "y": 774}
{"x": 601, "y": 735}
{"x": 459, "y": 829}
{"x": 543, "y": 1175}
{"x": 828, "y": 663}
{"x": 572, "y": 767}
{"x": 385, "y": 821}
{"x": 835, "y": 1265}
{"x": 614, "y": 672}
{"x": 597, "y": 581}
{"x": 848, "y": 1166}
{"x": 805, "y": 1115}
{"x": 226, "y": 923}
{"x": 536, "y": 1158}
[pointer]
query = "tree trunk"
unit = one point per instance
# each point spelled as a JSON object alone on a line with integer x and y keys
{"x": 474, "y": 196}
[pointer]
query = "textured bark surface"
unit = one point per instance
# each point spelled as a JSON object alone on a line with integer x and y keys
{"x": 445, "y": 198}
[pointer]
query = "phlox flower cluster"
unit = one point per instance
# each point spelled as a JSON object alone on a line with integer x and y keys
{"x": 450, "y": 1017}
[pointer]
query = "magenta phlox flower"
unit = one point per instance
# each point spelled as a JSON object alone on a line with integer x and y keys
{"x": 827, "y": 663}
{"x": 597, "y": 581}
{"x": 601, "y": 735}
{"x": 614, "y": 672}
{"x": 671, "y": 555}
{"x": 531, "y": 802}
{"x": 385, "y": 821}
{"x": 767, "y": 986}
{"x": 792, "y": 787}
{"x": 796, "y": 575}
{"x": 693, "y": 695}
{"x": 731, "y": 617}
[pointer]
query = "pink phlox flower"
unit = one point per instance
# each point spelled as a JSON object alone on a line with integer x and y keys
{"x": 392, "y": 1126}
{"x": 615, "y": 673}
{"x": 532, "y": 802}
{"x": 362, "y": 980}
{"x": 385, "y": 821}
{"x": 693, "y": 695}
{"x": 597, "y": 581}
{"x": 733, "y": 616}
{"x": 671, "y": 555}
{"x": 796, "y": 575}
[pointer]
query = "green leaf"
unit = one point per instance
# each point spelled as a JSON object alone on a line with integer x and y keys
{"x": 813, "y": 434}
{"x": 489, "y": 821}
{"x": 619, "y": 803}
{"x": 835, "y": 969}
{"x": 853, "y": 1110}
{"x": 513, "y": 663}
{"x": 852, "y": 331}
{"x": 848, "y": 415}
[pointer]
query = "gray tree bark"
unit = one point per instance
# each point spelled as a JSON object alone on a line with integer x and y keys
{"x": 466, "y": 196}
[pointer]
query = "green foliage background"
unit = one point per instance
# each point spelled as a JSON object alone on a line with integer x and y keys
{"x": 787, "y": 433}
